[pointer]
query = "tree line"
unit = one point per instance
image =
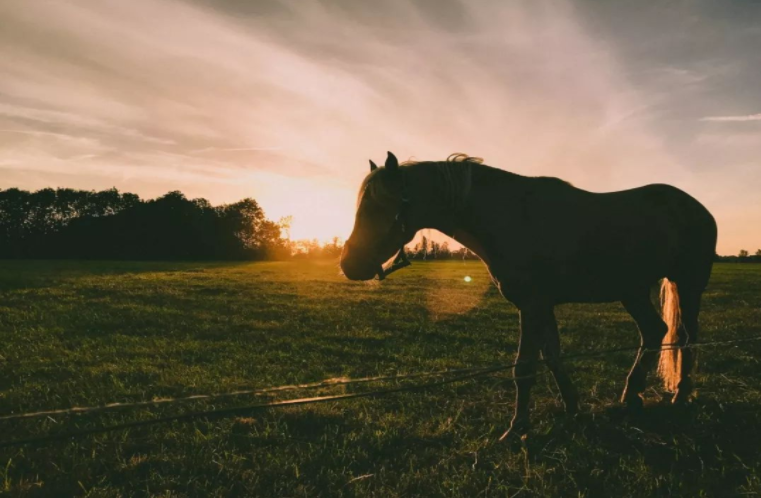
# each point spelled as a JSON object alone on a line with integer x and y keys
{"x": 428, "y": 249}
{"x": 743, "y": 257}
{"x": 425, "y": 249}
{"x": 67, "y": 223}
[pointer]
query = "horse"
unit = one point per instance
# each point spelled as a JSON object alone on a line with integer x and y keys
{"x": 544, "y": 243}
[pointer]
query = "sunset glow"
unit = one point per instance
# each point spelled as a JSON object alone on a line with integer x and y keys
{"x": 286, "y": 101}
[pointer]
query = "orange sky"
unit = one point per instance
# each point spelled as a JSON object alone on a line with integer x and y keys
{"x": 285, "y": 101}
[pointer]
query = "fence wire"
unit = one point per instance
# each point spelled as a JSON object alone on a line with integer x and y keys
{"x": 459, "y": 376}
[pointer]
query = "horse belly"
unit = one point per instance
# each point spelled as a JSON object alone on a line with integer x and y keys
{"x": 610, "y": 277}
{"x": 596, "y": 287}
{"x": 598, "y": 283}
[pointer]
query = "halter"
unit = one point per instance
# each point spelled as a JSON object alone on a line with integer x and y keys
{"x": 402, "y": 219}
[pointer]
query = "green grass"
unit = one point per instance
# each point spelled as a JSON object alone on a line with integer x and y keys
{"x": 89, "y": 333}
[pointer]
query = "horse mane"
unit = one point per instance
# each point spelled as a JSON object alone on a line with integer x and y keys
{"x": 454, "y": 175}
{"x": 456, "y": 157}
{"x": 455, "y": 178}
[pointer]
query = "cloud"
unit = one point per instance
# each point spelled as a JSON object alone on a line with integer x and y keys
{"x": 235, "y": 149}
{"x": 733, "y": 119}
{"x": 112, "y": 71}
{"x": 285, "y": 101}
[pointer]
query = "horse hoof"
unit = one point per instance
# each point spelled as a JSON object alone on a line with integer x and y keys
{"x": 572, "y": 408}
{"x": 683, "y": 393}
{"x": 518, "y": 431}
{"x": 514, "y": 441}
{"x": 681, "y": 398}
{"x": 634, "y": 404}
{"x": 508, "y": 436}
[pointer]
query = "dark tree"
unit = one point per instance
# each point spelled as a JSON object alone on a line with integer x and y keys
{"x": 67, "y": 223}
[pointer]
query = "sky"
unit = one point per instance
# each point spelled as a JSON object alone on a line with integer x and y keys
{"x": 285, "y": 101}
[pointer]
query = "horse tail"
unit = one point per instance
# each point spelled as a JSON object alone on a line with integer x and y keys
{"x": 671, "y": 356}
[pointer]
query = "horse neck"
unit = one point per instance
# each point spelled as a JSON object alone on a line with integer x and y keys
{"x": 439, "y": 192}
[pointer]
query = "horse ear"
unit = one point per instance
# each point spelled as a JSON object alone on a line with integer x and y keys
{"x": 391, "y": 161}
{"x": 373, "y": 166}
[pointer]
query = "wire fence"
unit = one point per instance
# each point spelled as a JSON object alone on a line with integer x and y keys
{"x": 453, "y": 376}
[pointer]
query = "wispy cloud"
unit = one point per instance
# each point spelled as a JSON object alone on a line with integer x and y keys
{"x": 235, "y": 149}
{"x": 267, "y": 99}
{"x": 733, "y": 119}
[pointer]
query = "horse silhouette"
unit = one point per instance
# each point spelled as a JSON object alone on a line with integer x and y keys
{"x": 546, "y": 242}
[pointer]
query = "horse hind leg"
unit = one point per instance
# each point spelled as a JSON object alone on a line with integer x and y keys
{"x": 688, "y": 334}
{"x": 690, "y": 277}
{"x": 652, "y": 330}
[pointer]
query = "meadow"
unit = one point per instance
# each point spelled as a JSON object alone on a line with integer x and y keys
{"x": 91, "y": 333}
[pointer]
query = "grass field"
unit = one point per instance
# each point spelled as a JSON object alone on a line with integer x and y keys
{"x": 80, "y": 334}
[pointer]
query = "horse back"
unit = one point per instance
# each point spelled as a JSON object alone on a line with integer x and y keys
{"x": 584, "y": 246}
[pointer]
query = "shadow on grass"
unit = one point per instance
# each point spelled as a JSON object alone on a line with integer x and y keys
{"x": 710, "y": 446}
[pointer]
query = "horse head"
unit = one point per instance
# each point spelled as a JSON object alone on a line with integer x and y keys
{"x": 381, "y": 227}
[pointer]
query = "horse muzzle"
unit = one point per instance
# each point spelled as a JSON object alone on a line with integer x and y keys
{"x": 359, "y": 270}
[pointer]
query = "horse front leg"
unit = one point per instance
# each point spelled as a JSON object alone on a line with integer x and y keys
{"x": 533, "y": 320}
{"x": 551, "y": 355}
